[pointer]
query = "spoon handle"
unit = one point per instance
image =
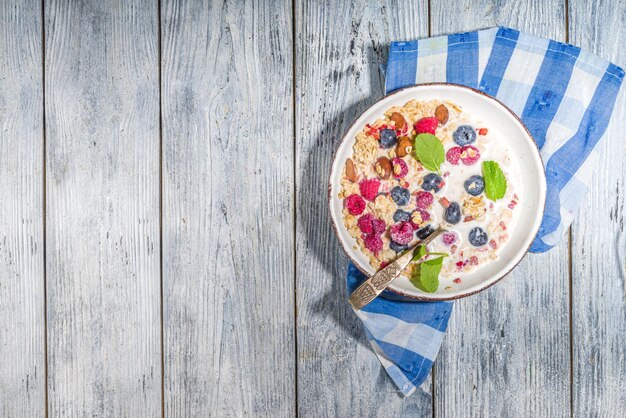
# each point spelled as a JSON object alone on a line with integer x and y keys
{"x": 372, "y": 287}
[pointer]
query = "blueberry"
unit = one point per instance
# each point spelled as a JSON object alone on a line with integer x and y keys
{"x": 432, "y": 182}
{"x": 388, "y": 138}
{"x": 453, "y": 213}
{"x": 398, "y": 247}
{"x": 478, "y": 237}
{"x": 400, "y": 195}
{"x": 401, "y": 216}
{"x": 464, "y": 135}
{"x": 474, "y": 185}
{"x": 424, "y": 232}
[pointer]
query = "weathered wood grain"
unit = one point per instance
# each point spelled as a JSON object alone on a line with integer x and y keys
{"x": 599, "y": 237}
{"x": 339, "y": 47}
{"x": 507, "y": 352}
{"x": 228, "y": 211}
{"x": 22, "y": 327}
{"x": 102, "y": 203}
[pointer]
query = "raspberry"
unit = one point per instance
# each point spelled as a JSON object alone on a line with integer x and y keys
{"x": 355, "y": 204}
{"x": 402, "y": 233}
{"x": 469, "y": 154}
{"x": 425, "y": 215}
{"x": 373, "y": 243}
{"x": 369, "y": 188}
{"x": 419, "y": 217}
{"x": 379, "y": 226}
{"x": 369, "y": 224}
{"x": 454, "y": 155}
{"x": 426, "y": 125}
{"x": 449, "y": 238}
{"x": 424, "y": 199}
{"x": 399, "y": 168}
{"x": 365, "y": 223}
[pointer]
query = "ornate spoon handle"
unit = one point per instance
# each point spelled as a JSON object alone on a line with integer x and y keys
{"x": 372, "y": 287}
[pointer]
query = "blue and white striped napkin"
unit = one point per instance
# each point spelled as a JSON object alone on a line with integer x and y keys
{"x": 563, "y": 94}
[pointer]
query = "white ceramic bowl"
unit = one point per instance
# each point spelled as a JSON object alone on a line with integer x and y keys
{"x": 532, "y": 186}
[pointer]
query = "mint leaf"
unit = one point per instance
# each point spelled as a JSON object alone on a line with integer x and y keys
{"x": 419, "y": 252}
{"x": 428, "y": 150}
{"x": 495, "y": 182}
{"x": 426, "y": 275}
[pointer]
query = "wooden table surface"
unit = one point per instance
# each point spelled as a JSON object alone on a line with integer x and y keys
{"x": 165, "y": 247}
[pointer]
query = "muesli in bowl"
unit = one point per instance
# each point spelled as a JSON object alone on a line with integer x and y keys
{"x": 427, "y": 163}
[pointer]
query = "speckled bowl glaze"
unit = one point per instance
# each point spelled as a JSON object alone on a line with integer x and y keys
{"x": 532, "y": 185}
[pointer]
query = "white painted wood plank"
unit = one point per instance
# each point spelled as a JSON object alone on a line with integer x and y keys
{"x": 102, "y": 202}
{"x": 599, "y": 237}
{"x": 228, "y": 213}
{"x": 507, "y": 352}
{"x": 22, "y": 327}
{"x": 339, "y": 48}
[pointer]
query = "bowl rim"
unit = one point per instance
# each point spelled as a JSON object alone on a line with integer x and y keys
{"x": 425, "y": 298}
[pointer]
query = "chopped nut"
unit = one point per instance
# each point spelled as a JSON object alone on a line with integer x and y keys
{"x": 383, "y": 167}
{"x": 416, "y": 218}
{"x": 351, "y": 171}
{"x": 444, "y": 202}
{"x": 442, "y": 114}
{"x": 404, "y": 146}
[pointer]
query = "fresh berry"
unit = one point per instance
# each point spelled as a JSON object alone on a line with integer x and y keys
{"x": 426, "y": 125}
{"x": 419, "y": 217}
{"x": 464, "y": 135}
{"x": 474, "y": 185}
{"x": 449, "y": 238}
{"x": 369, "y": 224}
{"x": 469, "y": 155}
{"x": 453, "y": 213}
{"x": 454, "y": 155}
{"x": 402, "y": 232}
{"x": 355, "y": 204}
{"x": 424, "y": 199}
{"x": 398, "y": 247}
{"x": 373, "y": 243}
{"x": 478, "y": 237}
{"x": 425, "y": 232}
{"x": 365, "y": 223}
{"x": 424, "y": 214}
{"x": 400, "y": 169}
{"x": 379, "y": 226}
{"x": 388, "y": 138}
{"x": 400, "y": 195}
{"x": 432, "y": 182}
{"x": 401, "y": 216}
{"x": 369, "y": 188}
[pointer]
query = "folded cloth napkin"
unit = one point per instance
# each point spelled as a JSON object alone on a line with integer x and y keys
{"x": 565, "y": 97}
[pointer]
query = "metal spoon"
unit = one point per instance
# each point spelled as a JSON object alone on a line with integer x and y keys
{"x": 374, "y": 286}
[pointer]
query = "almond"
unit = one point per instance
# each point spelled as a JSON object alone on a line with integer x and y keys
{"x": 383, "y": 167}
{"x": 441, "y": 113}
{"x": 351, "y": 171}
{"x": 404, "y": 147}
{"x": 398, "y": 120}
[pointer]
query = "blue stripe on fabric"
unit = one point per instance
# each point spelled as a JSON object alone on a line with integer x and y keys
{"x": 503, "y": 47}
{"x": 462, "y": 60}
{"x": 548, "y": 89}
{"x": 414, "y": 366}
{"x": 401, "y": 66}
{"x": 567, "y": 160}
